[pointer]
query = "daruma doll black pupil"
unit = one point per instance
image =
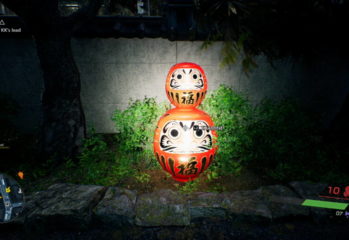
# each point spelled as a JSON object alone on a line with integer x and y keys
{"x": 174, "y": 133}
{"x": 199, "y": 132}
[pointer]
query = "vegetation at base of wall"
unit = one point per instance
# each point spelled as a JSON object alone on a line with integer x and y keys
{"x": 277, "y": 140}
{"x": 99, "y": 164}
{"x": 286, "y": 142}
{"x": 232, "y": 112}
{"x": 188, "y": 187}
{"x": 143, "y": 178}
{"x": 136, "y": 125}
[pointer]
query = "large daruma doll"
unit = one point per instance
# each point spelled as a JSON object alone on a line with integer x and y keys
{"x": 184, "y": 142}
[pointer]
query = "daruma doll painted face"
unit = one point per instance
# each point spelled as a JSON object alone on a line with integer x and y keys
{"x": 184, "y": 144}
{"x": 186, "y": 85}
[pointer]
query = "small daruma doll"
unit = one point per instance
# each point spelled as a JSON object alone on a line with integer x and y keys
{"x": 184, "y": 142}
{"x": 186, "y": 85}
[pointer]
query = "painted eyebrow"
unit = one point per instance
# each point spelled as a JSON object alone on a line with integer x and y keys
{"x": 190, "y": 71}
{"x": 181, "y": 125}
{"x": 183, "y": 71}
{"x": 192, "y": 124}
{"x": 166, "y": 127}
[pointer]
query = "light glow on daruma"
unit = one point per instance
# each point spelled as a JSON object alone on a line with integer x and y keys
{"x": 184, "y": 143}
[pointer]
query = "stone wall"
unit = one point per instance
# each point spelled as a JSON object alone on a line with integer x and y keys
{"x": 68, "y": 211}
{"x": 115, "y": 70}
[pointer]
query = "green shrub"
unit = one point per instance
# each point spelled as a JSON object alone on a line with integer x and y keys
{"x": 188, "y": 187}
{"x": 95, "y": 160}
{"x": 98, "y": 164}
{"x": 143, "y": 178}
{"x": 287, "y": 141}
{"x": 122, "y": 168}
{"x": 136, "y": 125}
{"x": 279, "y": 140}
{"x": 232, "y": 112}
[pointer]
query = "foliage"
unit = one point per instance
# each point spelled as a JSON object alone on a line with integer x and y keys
{"x": 233, "y": 52}
{"x": 275, "y": 139}
{"x": 287, "y": 141}
{"x": 95, "y": 159}
{"x": 217, "y": 188}
{"x": 143, "y": 177}
{"x": 232, "y": 112}
{"x": 98, "y": 164}
{"x": 251, "y": 28}
{"x": 136, "y": 125}
{"x": 279, "y": 140}
{"x": 188, "y": 187}
{"x": 211, "y": 175}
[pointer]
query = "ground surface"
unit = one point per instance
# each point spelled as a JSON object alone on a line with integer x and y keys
{"x": 200, "y": 230}
{"x": 159, "y": 179}
{"x": 71, "y": 211}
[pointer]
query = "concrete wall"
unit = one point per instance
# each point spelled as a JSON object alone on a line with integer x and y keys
{"x": 115, "y": 70}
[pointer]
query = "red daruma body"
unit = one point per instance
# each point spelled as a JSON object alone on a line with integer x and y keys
{"x": 184, "y": 144}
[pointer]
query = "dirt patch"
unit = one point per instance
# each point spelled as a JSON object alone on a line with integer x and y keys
{"x": 159, "y": 179}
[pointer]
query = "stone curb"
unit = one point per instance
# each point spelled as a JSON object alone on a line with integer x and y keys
{"x": 78, "y": 206}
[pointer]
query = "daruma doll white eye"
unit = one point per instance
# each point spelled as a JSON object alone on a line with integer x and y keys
{"x": 184, "y": 143}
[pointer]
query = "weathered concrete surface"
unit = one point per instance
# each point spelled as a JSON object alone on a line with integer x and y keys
{"x": 308, "y": 189}
{"x": 270, "y": 202}
{"x": 68, "y": 211}
{"x": 63, "y": 205}
{"x": 77, "y": 206}
{"x": 162, "y": 208}
{"x": 117, "y": 207}
{"x": 312, "y": 191}
{"x": 115, "y": 70}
